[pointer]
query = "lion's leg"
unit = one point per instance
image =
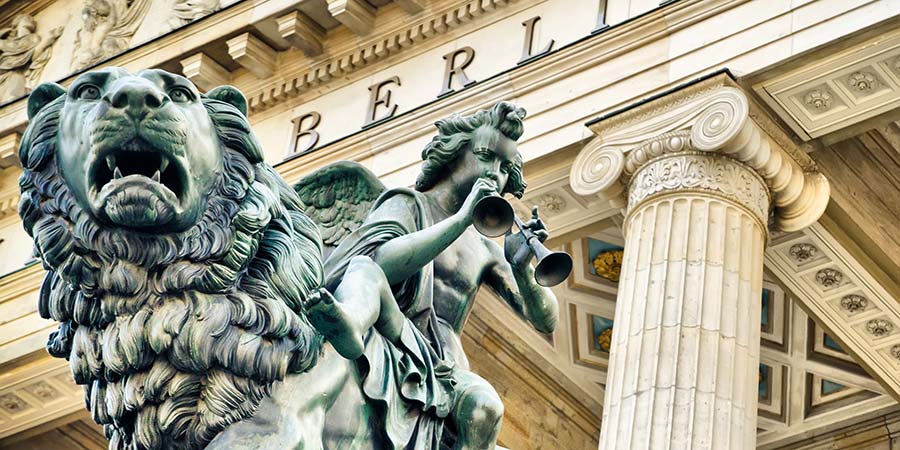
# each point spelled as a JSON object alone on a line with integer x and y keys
{"x": 362, "y": 300}
{"x": 477, "y": 413}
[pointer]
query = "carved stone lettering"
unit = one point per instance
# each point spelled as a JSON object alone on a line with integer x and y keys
{"x": 454, "y": 71}
{"x": 380, "y": 96}
{"x": 527, "y": 49}
{"x": 305, "y": 132}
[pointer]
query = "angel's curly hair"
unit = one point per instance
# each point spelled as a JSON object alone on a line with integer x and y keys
{"x": 454, "y": 136}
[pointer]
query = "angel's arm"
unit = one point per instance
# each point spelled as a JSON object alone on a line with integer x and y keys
{"x": 404, "y": 256}
{"x": 516, "y": 285}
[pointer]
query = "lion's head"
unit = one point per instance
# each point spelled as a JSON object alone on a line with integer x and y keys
{"x": 177, "y": 260}
{"x": 138, "y": 151}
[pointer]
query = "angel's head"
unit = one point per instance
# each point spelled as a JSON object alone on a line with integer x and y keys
{"x": 470, "y": 147}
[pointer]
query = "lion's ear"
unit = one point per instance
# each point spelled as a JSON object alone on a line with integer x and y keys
{"x": 230, "y": 95}
{"x": 41, "y": 95}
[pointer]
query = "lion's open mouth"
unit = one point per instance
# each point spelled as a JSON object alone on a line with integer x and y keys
{"x": 138, "y": 185}
{"x": 136, "y": 158}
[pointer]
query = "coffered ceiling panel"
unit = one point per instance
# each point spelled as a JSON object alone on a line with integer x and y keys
{"x": 840, "y": 90}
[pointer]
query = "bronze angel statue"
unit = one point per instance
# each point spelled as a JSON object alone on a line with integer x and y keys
{"x": 204, "y": 303}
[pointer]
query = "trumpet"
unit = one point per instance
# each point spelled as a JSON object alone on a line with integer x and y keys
{"x": 493, "y": 216}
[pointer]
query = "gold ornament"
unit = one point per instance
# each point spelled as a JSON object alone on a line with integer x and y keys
{"x": 605, "y": 339}
{"x": 608, "y": 264}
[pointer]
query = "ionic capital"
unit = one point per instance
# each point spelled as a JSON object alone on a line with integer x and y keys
{"x": 700, "y": 138}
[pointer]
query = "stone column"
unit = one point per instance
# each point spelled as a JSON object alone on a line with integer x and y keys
{"x": 699, "y": 182}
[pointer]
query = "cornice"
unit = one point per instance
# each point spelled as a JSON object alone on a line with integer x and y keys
{"x": 542, "y": 73}
{"x": 370, "y": 51}
{"x": 14, "y": 8}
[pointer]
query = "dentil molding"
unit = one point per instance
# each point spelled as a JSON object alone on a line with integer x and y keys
{"x": 711, "y": 117}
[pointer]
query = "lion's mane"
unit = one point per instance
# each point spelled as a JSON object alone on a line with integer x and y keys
{"x": 175, "y": 336}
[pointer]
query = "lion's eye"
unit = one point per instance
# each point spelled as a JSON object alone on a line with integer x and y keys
{"x": 88, "y": 92}
{"x": 180, "y": 95}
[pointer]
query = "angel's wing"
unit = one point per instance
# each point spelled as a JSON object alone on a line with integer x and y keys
{"x": 338, "y": 198}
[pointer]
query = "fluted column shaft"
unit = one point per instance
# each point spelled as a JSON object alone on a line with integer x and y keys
{"x": 685, "y": 350}
{"x": 701, "y": 179}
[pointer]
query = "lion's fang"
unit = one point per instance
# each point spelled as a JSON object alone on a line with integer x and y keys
{"x": 156, "y": 176}
{"x": 117, "y": 173}
{"x": 163, "y": 164}
{"x": 111, "y": 161}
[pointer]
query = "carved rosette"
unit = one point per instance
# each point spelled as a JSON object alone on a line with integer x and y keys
{"x": 702, "y": 140}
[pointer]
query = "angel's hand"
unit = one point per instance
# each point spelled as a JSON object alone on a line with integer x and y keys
{"x": 516, "y": 249}
{"x": 482, "y": 188}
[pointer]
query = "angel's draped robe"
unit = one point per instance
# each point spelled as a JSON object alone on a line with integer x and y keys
{"x": 410, "y": 385}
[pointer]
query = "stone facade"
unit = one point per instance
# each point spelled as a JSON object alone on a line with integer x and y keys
{"x": 627, "y": 154}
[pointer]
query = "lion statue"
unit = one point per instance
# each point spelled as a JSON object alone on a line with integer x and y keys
{"x": 177, "y": 262}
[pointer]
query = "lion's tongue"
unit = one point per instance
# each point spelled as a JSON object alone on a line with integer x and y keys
{"x": 138, "y": 208}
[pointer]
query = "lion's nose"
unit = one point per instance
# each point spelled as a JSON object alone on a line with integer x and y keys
{"x": 136, "y": 99}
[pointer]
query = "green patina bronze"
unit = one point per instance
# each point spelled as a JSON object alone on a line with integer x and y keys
{"x": 206, "y": 304}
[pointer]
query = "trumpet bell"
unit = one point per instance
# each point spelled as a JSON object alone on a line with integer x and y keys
{"x": 552, "y": 267}
{"x": 492, "y": 216}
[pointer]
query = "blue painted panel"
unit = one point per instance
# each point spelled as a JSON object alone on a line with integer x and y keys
{"x": 830, "y": 387}
{"x": 767, "y": 300}
{"x": 764, "y": 381}
{"x": 832, "y": 344}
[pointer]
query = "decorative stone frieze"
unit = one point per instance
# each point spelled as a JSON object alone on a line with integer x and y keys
{"x": 187, "y": 11}
{"x": 699, "y": 172}
{"x": 107, "y": 30}
{"x": 842, "y": 88}
{"x": 13, "y": 404}
{"x": 374, "y": 47}
{"x": 700, "y": 184}
{"x": 23, "y": 56}
{"x": 854, "y": 311}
